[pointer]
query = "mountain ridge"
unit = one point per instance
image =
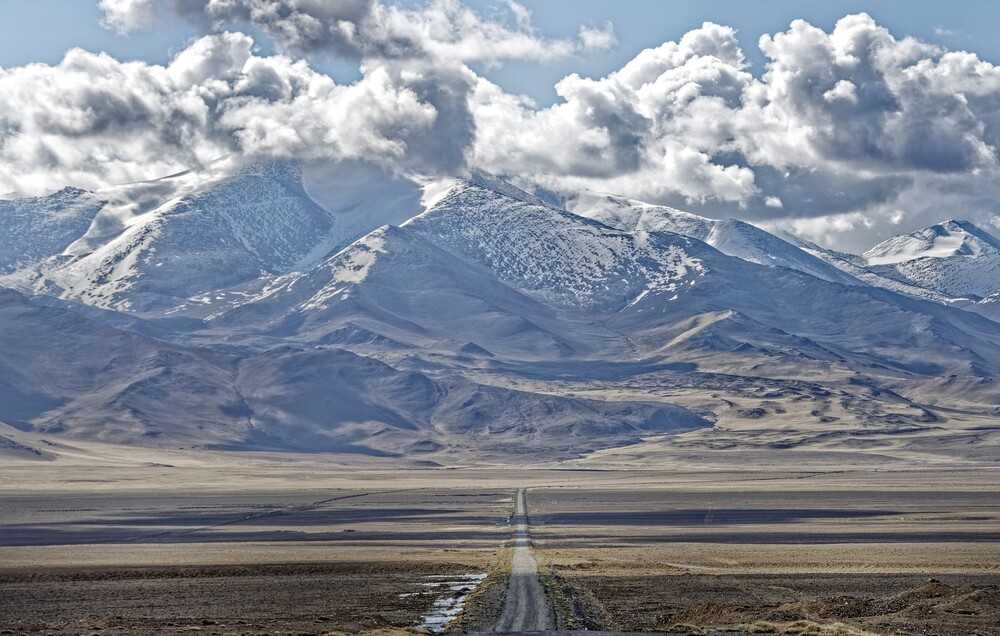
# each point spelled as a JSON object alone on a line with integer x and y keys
{"x": 489, "y": 323}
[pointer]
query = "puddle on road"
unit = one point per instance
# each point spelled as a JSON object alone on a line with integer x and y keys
{"x": 451, "y": 590}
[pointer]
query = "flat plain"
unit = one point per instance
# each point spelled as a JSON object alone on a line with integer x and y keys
{"x": 915, "y": 552}
{"x": 134, "y": 541}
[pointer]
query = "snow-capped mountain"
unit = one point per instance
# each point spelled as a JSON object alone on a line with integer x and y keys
{"x": 526, "y": 281}
{"x": 554, "y": 255}
{"x": 729, "y": 236}
{"x": 954, "y": 258}
{"x": 458, "y": 317}
{"x": 943, "y": 240}
{"x": 856, "y": 267}
{"x": 170, "y": 244}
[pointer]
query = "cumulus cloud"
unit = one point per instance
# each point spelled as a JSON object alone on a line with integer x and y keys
{"x": 649, "y": 130}
{"x": 845, "y": 136}
{"x": 860, "y": 96}
{"x": 126, "y": 15}
{"x": 92, "y": 120}
{"x": 439, "y": 29}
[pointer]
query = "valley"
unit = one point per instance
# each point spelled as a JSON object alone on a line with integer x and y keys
{"x": 472, "y": 409}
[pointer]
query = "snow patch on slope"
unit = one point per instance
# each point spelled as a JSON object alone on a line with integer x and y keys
{"x": 39, "y": 227}
{"x": 359, "y": 259}
{"x": 553, "y": 254}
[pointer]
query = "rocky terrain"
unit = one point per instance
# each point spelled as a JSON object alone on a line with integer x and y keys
{"x": 259, "y": 306}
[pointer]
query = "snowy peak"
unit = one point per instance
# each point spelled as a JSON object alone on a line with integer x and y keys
{"x": 500, "y": 186}
{"x": 561, "y": 257}
{"x": 631, "y": 214}
{"x": 942, "y": 240}
{"x": 155, "y": 246}
{"x": 954, "y": 258}
{"x": 730, "y": 236}
{"x": 953, "y": 262}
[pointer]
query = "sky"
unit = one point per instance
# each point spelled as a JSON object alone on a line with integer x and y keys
{"x": 43, "y": 30}
{"x": 842, "y": 122}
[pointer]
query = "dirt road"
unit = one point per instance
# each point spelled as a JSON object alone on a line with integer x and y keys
{"x": 525, "y": 609}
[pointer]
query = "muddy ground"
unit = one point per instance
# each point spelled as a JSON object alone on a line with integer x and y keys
{"x": 301, "y": 599}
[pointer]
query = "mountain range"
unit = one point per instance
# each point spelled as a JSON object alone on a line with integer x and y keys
{"x": 268, "y": 306}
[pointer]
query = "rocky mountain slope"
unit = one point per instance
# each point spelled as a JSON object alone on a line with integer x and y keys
{"x": 65, "y": 375}
{"x": 40, "y": 227}
{"x": 231, "y": 310}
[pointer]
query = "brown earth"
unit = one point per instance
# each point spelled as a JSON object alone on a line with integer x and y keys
{"x": 266, "y": 599}
{"x": 801, "y": 603}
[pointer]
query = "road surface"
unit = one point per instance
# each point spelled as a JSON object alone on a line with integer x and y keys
{"x": 525, "y": 609}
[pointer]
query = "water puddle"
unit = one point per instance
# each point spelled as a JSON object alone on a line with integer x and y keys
{"x": 451, "y": 591}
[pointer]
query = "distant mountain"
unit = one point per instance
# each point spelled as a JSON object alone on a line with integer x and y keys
{"x": 955, "y": 258}
{"x": 855, "y": 266}
{"x": 527, "y": 282}
{"x": 169, "y": 245}
{"x": 729, "y": 236}
{"x": 64, "y": 375}
{"x": 942, "y": 240}
{"x": 152, "y": 246}
{"x": 466, "y": 318}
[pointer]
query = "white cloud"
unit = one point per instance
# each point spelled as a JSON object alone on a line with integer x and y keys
{"x": 598, "y": 37}
{"x": 127, "y": 15}
{"x": 843, "y": 90}
{"x": 92, "y": 120}
{"x": 819, "y": 229}
{"x": 521, "y": 13}
{"x": 841, "y": 132}
{"x": 648, "y": 129}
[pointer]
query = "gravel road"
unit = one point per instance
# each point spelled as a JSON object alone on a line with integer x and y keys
{"x": 525, "y": 609}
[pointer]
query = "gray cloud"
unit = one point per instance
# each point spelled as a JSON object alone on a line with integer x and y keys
{"x": 858, "y": 95}
{"x": 92, "y": 120}
{"x": 847, "y": 133}
{"x": 366, "y": 29}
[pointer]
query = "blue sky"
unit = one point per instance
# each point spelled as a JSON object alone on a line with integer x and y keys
{"x": 42, "y": 31}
